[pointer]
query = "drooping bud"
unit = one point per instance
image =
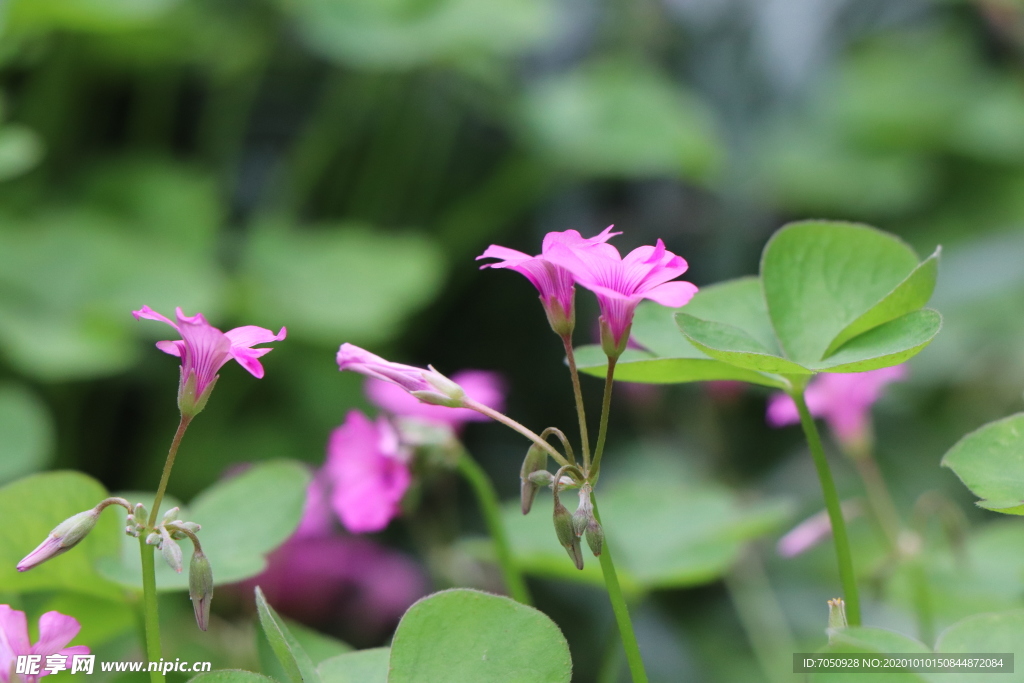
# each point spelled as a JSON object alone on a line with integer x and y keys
{"x": 170, "y": 550}
{"x": 566, "y": 535}
{"x": 543, "y": 478}
{"x": 171, "y": 514}
{"x": 595, "y": 536}
{"x": 584, "y": 512}
{"x": 200, "y": 587}
{"x": 63, "y": 538}
{"x": 535, "y": 461}
{"x": 836, "y": 619}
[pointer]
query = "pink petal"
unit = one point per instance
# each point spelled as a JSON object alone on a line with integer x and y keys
{"x": 482, "y": 386}
{"x": 782, "y": 410}
{"x": 175, "y": 348}
{"x": 508, "y": 256}
{"x": 196, "y": 319}
{"x": 56, "y": 630}
{"x": 149, "y": 314}
{"x": 13, "y": 632}
{"x": 247, "y": 358}
{"x": 674, "y": 294}
{"x": 250, "y": 335}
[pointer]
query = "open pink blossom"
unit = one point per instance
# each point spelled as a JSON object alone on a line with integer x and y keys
{"x": 204, "y": 350}
{"x": 482, "y": 386}
{"x": 844, "y": 400}
{"x": 621, "y": 283}
{"x": 553, "y": 283}
{"x": 368, "y": 472}
{"x": 429, "y": 386}
{"x": 56, "y": 630}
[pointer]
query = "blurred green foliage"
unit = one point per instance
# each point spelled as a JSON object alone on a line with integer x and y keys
{"x": 333, "y": 166}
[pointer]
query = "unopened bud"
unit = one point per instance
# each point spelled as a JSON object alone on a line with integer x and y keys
{"x": 200, "y": 587}
{"x": 836, "y": 618}
{"x": 170, "y": 550}
{"x": 63, "y": 538}
{"x": 566, "y": 535}
{"x": 584, "y": 512}
{"x": 543, "y": 478}
{"x": 171, "y": 514}
{"x": 141, "y": 514}
{"x": 447, "y": 393}
{"x": 595, "y": 537}
{"x": 153, "y": 538}
{"x": 535, "y": 461}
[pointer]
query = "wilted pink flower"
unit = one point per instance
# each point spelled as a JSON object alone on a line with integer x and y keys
{"x": 368, "y": 472}
{"x": 553, "y": 283}
{"x": 844, "y": 400}
{"x": 429, "y": 385}
{"x": 55, "y": 631}
{"x": 479, "y": 385}
{"x": 621, "y": 283}
{"x": 204, "y": 350}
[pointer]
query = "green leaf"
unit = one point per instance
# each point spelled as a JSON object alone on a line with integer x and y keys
{"x": 297, "y": 665}
{"x": 20, "y": 150}
{"x": 910, "y": 295}
{"x": 27, "y": 429}
{"x": 467, "y": 636}
{"x": 663, "y": 533}
{"x": 990, "y": 462}
{"x": 889, "y": 344}
{"x": 735, "y": 346}
{"x": 362, "y": 666}
{"x": 864, "y": 640}
{"x": 318, "y": 646}
{"x": 243, "y": 519}
{"x": 88, "y": 15}
{"x": 231, "y": 676}
{"x": 998, "y": 632}
{"x": 308, "y": 278}
{"x": 403, "y": 34}
{"x": 639, "y": 366}
{"x": 622, "y": 118}
{"x": 30, "y": 509}
{"x": 821, "y": 277}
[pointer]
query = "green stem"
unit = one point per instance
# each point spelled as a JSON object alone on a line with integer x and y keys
{"x": 879, "y": 499}
{"x": 152, "y": 617}
{"x": 606, "y": 405}
{"x": 488, "y": 501}
{"x": 580, "y": 412}
{"x": 761, "y": 616}
{"x": 835, "y": 512}
{"x": 168, "y": 464}
{"x": 923, "y": 602}
{"x": 525, "y": 431}
{"x": 611, "y": 582}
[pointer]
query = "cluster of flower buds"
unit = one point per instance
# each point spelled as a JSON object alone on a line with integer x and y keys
{"x": 72, "y": 530}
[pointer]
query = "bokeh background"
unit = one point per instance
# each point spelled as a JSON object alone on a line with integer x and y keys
{"x": 335, "y": 166}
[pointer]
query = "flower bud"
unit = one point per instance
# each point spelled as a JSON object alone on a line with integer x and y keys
{"x": 535, "y": 461}
{"x": 200, "y": 587}
{"x": 543, "y": 478}
{"x": 836, "y": 618}
{"x": 141, "y": 514}
{"x": 153, "y": 538}
{"x": 63, "y": 538}
{"x": 170, "y": 550}
{"x": 584, "y": 512}
{"x": 171, "y": 514}
{"x": 595, "y": 537}
{"x": 566, "y": 536}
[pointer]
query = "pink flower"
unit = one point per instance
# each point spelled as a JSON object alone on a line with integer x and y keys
{"x": 622, "y": 283}
{"x": 480, "y": 385}
{"x": 369, "y": 472}
{"x": 844, "y": 400}
{"x": 554, "y": 283}
{"x": 55, "y": 631}
{"x": 813, "y": 530}
{"x": 204, "y": 350}
{"x": 429, "y": 386}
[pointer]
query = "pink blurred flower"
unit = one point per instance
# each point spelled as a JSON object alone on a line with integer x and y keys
{"x": 621, "y": 283}
{"x": 429, "y": 386}
{"x": 368, "y": 473}
{"x": 553, "y": 283}
{"x": 813, "y": 530}
{"x": 341, "y": 583}
{"x": 844, "y": 400}
{"x": 482, "y": 386}
{"x": 55, "y": 631}
{"x": 204, "y": 350}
